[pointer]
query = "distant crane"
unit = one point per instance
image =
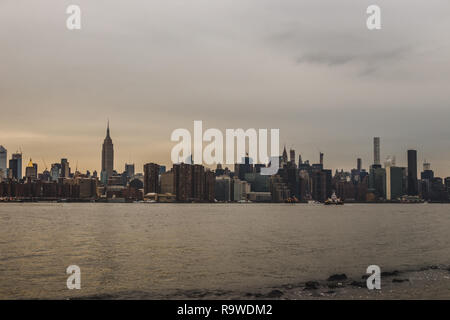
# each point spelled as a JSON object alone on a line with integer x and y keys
{"x": 45, "y": 165}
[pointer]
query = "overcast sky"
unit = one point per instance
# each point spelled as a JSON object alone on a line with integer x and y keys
{"x": 310, "y": 68}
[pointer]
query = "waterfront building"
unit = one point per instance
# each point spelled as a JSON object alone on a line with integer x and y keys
{"x": 151, "y": 178}
{"x": 279, "y": 189}
{"x": 258, "y": 182}
{"x": 183, "y": 181}
{"x": 377, "y": 181}
{"x": 223, "y": 188}
{"x": 166, "y": 183}
{"x": 210, "y": 184}
{"x": 240, "y": 190}
{"x": 240, "y": 169}
{"x": 394, "y": 181}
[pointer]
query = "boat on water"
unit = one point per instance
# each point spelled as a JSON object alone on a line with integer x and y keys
{"x": 334, "y": 200}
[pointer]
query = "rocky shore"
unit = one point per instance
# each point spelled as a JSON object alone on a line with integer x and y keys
{"x": 431, "y": 282}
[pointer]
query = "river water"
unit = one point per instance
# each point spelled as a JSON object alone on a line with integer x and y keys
{"x": 149, "y": 251}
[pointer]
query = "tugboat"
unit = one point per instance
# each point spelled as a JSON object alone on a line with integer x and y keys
{"x": 334, "y": 200}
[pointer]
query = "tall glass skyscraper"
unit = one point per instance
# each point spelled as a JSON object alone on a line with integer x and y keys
{"x": 15, "y": 166}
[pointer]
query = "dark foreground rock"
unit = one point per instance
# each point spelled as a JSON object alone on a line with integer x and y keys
{"x": 400, "y": 280}
{"x": 337, "y": 277}
{"x": 390, "y": 273}
{"x": 359, "y": 284}
{"x": 274, "y": 294}
{"x": 311, "y": 285}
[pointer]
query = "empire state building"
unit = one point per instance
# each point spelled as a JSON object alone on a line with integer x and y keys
{"x": 108, "y": 155}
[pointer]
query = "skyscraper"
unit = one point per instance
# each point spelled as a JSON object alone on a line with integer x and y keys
{"x": 359, "y": 164}
{"x": 15, "y": 166}
{"x": 65, "y": 168}
{"x": 151, "y": 178}
{"x": 108, "y": 155}
{"x": 376, "y": 151}
{"x": 292, "y": 157}
{"x": 284, "y": 157}
{"x": 31, "y": 170}
{"x": 3, "y": 158}
{"x": 55, "y": 171}
{"x": 129, "y": 170}
{"x": 412, "y": 173}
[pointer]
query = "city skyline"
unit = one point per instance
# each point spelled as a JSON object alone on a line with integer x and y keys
{"x": 107, "y": 151}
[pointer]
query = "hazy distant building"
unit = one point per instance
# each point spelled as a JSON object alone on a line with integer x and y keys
{"x": 359, "y": 164}
{"x": 278, "y": 189}
{"x": 223, "y": 188}
{"x": 394, "y": 181}
{"x": 151, "y": 178}
{"x": 87, "y": 187}
{"x": 240, "y": 169}
{"x": 129, "y": 170}
{"x": 15, "y": 166}
{"x": 447, "y": 185}
{"x": 284, "y": 158}
{"x": 107, "y": 155}
{"x": 31, "y": 171}
{"x": 3, "y": 162}
{"x": 376, "y": 151}
{"x": 427, "y": 173}
{"x": 55, "y": 171}
{"x": 377, "y": 181}
{"x": 292, "y": 157}
{"x": 182, "y": 177}
{"x": 44, "y": 176}
{"x": 319, "y": 185}
{"x": 412, "y": 173}
{"x": 166, "y": 183}
{"x": 240, "y": 189}
{"x": 198, "y": 182}
{"x": 258, "y": 182}
{"x": 210, "y": 186}
{"x": 65, "y": 168}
